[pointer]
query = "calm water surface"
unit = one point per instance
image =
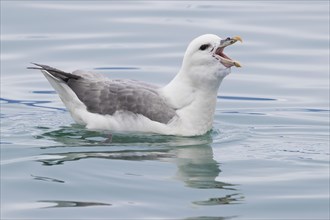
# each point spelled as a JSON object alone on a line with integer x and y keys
{"x": 266, "y": 157}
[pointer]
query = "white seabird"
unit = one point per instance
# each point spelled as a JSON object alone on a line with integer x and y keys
{"x": 183, "y": 107}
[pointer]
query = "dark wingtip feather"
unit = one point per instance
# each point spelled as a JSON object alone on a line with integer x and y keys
{"x": 55, "y": 72}
{"x": 39, "y": 66}
{"x": 33, "y": 67}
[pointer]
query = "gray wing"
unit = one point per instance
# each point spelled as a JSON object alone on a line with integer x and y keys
{"x": 108, "y": 96}
{"x": 104, "y": 96}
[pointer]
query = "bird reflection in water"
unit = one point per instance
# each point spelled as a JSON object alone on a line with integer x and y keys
{"x": 193, "y": 156}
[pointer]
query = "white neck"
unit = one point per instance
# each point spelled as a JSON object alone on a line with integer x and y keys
{"x": 195, "y": 101}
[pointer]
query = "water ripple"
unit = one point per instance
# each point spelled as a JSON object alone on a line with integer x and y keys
{"x": 32, "y": 103}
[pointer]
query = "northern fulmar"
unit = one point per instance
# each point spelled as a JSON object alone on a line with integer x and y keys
{"x": 184, "y": 107}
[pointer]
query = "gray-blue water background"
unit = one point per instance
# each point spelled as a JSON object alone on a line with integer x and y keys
{"x": 267, "y": 156}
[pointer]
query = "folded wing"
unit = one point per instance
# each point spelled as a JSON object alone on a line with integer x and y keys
{"x": 105, "y": 96}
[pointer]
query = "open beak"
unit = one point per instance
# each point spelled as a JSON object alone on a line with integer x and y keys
{"x": 224, "y": 59}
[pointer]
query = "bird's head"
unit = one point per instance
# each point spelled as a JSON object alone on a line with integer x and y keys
{"x": 205, "y": 60}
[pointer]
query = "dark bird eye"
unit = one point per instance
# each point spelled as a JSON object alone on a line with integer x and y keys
{"x": 204, "y": 46}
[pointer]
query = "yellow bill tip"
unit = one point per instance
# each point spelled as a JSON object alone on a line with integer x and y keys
{"x": 237, "y": 64}
{"x": 238, "y": 38}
